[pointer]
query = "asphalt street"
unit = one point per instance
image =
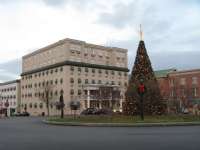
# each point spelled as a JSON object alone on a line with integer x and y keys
{"x": 30, "y": 133}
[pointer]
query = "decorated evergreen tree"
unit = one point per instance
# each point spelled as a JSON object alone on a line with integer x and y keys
{"x": 142, "y": 70}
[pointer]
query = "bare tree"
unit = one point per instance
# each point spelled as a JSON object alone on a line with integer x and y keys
{"x": 45, "y": 94}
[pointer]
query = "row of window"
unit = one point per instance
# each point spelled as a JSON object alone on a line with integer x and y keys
{"x": 73, "y": 52}
{"x": 40, "y": 84}
{"x": 43, "y": 73}
{"x": 42, "y": 94}
{"x": 8, "y": 89}
{"x": 79, "y": 81}
{"x": 182, "y": 81}
{"x": 34, "y": 105}
{"x": 185, "y": 92}
{"x": 10, "y": 103}
{"x": 8, "y": 97}
{"x": 93, "y": 70}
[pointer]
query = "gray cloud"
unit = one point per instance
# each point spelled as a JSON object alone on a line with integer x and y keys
{"x": 162, "y": 59}
{"x": 10, "y": 70}
{"x": 55, "y": 2}
{"x": 168, "y": 25}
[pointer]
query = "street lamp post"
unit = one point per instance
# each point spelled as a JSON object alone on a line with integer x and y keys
{"x": 62, "y": 105}
{"x": 141, "y": 92}
{"x": 6, "y": 105}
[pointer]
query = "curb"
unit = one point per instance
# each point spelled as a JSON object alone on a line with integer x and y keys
{"x": 122, "y": 124}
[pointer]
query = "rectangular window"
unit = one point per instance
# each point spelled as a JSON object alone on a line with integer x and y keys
{"x": 194, "y": 80}
{"x": 194, "y": 92}
{"x": 182, "y": 81}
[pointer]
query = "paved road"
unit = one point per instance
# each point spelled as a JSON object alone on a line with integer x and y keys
{"x": 31, "y": 134}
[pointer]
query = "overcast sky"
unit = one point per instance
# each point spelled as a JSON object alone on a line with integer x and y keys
{"x": 171, "y": 29}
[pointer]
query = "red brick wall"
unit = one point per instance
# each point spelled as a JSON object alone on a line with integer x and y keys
{"x": 166, "y": 88}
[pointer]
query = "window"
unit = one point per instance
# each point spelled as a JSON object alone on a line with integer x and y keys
{"x": 172, "y": 93}
{"x": 61, "y": 69}
{"x": 79, "y": 80}
{"x": 47, "y": 72}
{"x": 93, "y": 81}
{"x": 79, "y": 69}
{"x": 86, "y": 69}
{"x": 72, "y": 92}
{"x": 125, "y": 74}
{"x": 182, "y": 81}
{"x": 119, "y": 73}
{"x": 125, "y": 84}
{"x": 194, "y": 92}
{"x": 30, "y": 105}
{"x": 51, "y": 82}
{"x": 113, "y": 72}
{"x": 194, "y": 80}
{"x": 56, "y": 70}
{"x": 100, "y": 71}
{"x": 41, "y": 105}
{"x": 106, "y": 72}
{"x": 183, "y": 92}
{"x": 51, "y": 71}
{"x": 86, "y": 81}
{"x": 61, "y": 91}
{"x": 35, "y": 105}
{"x": 79, "y": 92}
{"x": 93, "y": 70}
{"x": 119, "y": 83}
{"x": 42, "y": 73}
{"x": 71, "y": 80}
{"x": 61, "y": 81}
{"x": 112, "y": 83}
{"x": 99, "y": 81}
{"x": 56, "y": 93}
{"x": 56, "y": 81}
{"x": 72, "y": 68}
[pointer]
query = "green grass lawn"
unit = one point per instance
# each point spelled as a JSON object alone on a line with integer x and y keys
{"x": 127, "y": 119}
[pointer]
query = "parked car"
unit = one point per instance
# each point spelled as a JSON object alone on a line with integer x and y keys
{"x": 89, "y": 111}
{"x": 21, "y": 114}
{"x": 25, "y": 114}
{"x": 17, "y": 114}
{"x": 104, "y": 111}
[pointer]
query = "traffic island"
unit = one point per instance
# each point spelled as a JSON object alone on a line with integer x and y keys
{"x": 125, "y": 121}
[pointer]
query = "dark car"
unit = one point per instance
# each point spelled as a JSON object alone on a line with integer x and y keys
{"x": 21, "y": 114}
{"x": 89, "y": 111}
{"x": 25, "y": 114}
{"x": 104, "y": 111}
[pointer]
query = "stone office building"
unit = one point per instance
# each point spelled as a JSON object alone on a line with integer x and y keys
{"x": 95, "y": 75}
{"x": 10, "y": 94}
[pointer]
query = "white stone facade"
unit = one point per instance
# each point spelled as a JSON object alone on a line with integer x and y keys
{"x": 10, "y": 93}
{"x": 70, "y": 66}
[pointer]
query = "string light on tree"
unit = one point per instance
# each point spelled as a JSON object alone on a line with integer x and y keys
{"x": 142, "y": 69}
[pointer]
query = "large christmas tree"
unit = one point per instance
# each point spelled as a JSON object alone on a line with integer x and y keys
{"x": 142, "y": 70}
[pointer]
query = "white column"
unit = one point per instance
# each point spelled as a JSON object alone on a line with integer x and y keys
{"x": 88, "y": 98}
{"x": 120, "y": 103}
{"x": 110, "y": 103}
{"x": 100, "y": 105}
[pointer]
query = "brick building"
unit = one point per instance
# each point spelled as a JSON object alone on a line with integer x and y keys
{"x": 180, "y": 89}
